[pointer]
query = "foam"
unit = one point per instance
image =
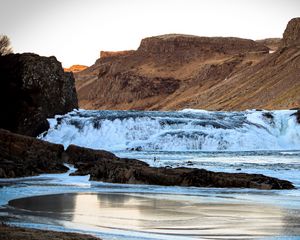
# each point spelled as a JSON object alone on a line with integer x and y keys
{"x": 186, "y": 130}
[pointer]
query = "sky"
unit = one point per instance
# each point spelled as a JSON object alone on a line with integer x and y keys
{"x": 75, "y": 31}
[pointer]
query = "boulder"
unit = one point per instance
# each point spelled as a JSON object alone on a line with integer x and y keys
{"x": 22, "y": 156}
{"x": 33, "y": 88}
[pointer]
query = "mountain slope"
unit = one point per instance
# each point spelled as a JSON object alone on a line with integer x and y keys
{"x": 182, "y": 71}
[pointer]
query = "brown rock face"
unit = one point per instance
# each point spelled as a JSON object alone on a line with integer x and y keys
{"x": 291, "y": 34}
{"x": 162, "y": 67}
{"x": 33, "y": 88}
{"x": 207, "y": 73}
{"x": 104, "y": 166}
{"x": 22, "y": 156}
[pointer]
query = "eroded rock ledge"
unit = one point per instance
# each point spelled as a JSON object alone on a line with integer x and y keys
{"x": 105, "y": 166}
{"x": 25, "y": 156}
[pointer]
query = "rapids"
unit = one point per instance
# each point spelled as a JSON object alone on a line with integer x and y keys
{"x": 186, "y": 130}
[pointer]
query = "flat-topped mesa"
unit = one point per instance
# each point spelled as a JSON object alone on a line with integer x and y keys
{"x": 107, "y": 54}
{"x": 171, "y": 43}
{"x": 291, "y": 35}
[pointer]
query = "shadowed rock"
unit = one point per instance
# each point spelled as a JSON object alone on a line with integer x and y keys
{"x": 22, "y": 156}
{"x": 32, "y": 89}
{"x": 104, "y": 166}
{"x": 297, "y": 115}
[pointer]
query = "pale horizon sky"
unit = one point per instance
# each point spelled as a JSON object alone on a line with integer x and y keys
{"x": 76, "y": 31}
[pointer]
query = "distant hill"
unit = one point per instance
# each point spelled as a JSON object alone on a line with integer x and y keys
{"x": 272, "y": 43}
{"x": 178, "y": 71}
{"x": 75, "y": 68}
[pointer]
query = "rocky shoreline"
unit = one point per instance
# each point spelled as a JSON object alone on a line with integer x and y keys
{"x": 15, "y": 233}
{"x": 26, "y": 156}
{"x": 23, "y": 156}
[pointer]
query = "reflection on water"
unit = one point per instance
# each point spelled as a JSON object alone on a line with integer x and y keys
{"x": 51, "y": 203}
{"x": 149, "y": 215}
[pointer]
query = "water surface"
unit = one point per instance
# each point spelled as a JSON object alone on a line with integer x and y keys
{"x": 264, "y": 142}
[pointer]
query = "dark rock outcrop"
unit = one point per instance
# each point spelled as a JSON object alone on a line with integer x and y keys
{"x": 22, "y": 156}
{"x": 33, "y": 88}
{"x": 104, "y": 166}
{"x": 297, "y": 115}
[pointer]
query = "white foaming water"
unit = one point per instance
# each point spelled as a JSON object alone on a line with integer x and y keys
{"x": 186, "y": 130}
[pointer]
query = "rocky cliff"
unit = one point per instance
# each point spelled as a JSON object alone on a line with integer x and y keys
{"x": 197, "y": 46}
{"x": 177, "y": 71}
{"x": 161, "y": 68}
{"x": 33, "y": 88}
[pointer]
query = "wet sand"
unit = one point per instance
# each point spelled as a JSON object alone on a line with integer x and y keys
{"x": 150, "y": 216}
